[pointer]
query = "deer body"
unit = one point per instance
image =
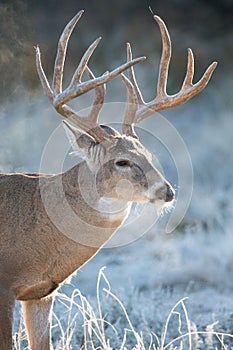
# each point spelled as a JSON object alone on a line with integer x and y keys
{"x": 50, "y": 225}
{"x": 35, "y": 256}
{"x": 41, "y": 257}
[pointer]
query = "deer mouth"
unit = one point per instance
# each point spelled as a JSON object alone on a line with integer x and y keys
{"x": 162, "y": 195}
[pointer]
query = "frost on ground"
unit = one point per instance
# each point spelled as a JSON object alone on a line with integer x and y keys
{"x": 139, "y": 320}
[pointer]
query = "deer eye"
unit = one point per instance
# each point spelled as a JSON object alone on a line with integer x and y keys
{"x": 123, "y": 163}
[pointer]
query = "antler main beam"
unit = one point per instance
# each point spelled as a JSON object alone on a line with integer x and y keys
{"x": 137, "y": 109}
{"x": 77, "y": 88}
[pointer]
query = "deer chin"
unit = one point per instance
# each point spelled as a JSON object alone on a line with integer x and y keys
{"x": 167, "y": 207}
{"x": 161, "y": 207}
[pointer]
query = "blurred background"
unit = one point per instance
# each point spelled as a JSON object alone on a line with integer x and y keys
{"x": 198, "y": 256}
{"x": 204, "y": 25}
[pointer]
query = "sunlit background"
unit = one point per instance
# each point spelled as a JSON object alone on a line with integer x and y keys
{"x": 196, "y": 260}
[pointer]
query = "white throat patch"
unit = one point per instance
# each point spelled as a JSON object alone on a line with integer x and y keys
{"x": 113, "y": 208}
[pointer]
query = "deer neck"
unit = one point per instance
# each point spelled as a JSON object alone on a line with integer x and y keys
{"x": 83, "y": 215}
{"x": 80, "y": 183}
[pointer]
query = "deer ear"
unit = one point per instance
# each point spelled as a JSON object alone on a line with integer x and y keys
{"x": 79, "y": 140}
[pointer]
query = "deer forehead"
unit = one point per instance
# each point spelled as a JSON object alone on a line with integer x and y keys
{"x": 129, "y": 147}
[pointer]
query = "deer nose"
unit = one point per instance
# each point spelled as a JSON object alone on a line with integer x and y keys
{"x": 169, "y": 194}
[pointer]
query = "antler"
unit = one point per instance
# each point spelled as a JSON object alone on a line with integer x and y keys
{"x": 76, "y": 88}
{"x": 137, "y": 109}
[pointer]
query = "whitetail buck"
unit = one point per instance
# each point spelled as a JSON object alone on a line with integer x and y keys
{"x": 35, "y": 256}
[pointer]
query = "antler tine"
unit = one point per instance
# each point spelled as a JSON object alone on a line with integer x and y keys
{"x": 132, "y": 76}
{"x": 98, "y": 99}
{"x": 201, "y": 84}
{"x": 43, "y": 79}
{"x": 134, "y": 98}
{"x": 190, "y": 70}
{"x": 61, "y": 52}
{"x": 131, "y": 108}
{"x": 83, "y": 64}
{"x": 165, "y": 58}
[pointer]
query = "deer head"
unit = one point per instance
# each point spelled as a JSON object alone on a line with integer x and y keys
{"x": 118, "y": 160}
